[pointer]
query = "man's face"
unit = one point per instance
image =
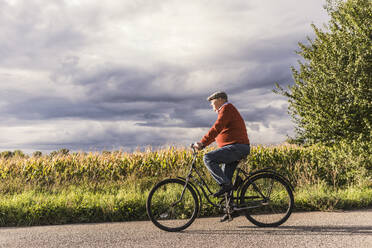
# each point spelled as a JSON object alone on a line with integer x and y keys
{"x": 217, "y": 103}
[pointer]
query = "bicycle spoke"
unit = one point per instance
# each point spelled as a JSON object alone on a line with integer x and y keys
{"x": 258, "y": 190}
{"x": 271, "y": 188}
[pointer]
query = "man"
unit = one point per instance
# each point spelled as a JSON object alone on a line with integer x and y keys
{"x": 230, "y": 133}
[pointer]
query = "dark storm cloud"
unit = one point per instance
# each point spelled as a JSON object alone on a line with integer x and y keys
{"x": 111, "y": 93}
{"x": 49, "y": 108}
{"x": 118, "y": 93}
{"x": 263, "y": 62}
{"x": 187, "y": 117}
{"x": 264, "y": 115}
{"x": 115, "y": 83}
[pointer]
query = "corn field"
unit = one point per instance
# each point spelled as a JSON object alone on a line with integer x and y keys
{"x": 302, "y": 166}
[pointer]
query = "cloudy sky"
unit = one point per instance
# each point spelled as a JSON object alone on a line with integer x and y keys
{"x": 92, "y": 75}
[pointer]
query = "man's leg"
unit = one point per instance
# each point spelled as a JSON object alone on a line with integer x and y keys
{"x": 229, "y": 169}
{"x": 224, "y": 155}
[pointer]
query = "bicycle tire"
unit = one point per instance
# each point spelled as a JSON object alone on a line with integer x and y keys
{"x": 168, "y": 208}
{"x": 275, "y": 207}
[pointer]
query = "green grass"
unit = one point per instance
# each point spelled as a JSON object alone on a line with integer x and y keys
{"x": 72, "y": 205}
{"x": 323, "y": 198}
{"x": 80, "y": 205}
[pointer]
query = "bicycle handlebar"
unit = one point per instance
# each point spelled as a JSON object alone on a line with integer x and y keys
{"x": 193, "y": 148}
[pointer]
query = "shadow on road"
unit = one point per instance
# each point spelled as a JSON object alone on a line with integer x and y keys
{"x": 291, "y": 230}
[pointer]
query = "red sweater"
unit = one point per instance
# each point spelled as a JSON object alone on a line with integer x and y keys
{"x": 229, "y": 128}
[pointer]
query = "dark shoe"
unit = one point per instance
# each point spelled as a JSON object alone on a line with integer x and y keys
{"x": 224, "y": 189}
{"x": 226, "y": 217}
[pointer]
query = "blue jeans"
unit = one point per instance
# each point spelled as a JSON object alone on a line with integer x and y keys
{"x": 229, "y": 157}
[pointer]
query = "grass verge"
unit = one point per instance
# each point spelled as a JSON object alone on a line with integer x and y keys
{"x": 77, "y": 205}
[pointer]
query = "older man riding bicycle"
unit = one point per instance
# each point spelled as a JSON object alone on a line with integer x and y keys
{"x": 231, "y": 136}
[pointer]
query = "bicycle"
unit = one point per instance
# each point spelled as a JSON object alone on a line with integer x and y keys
{"x": 265, "y": 198}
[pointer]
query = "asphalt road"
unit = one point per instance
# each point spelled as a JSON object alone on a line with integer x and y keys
{"x": 310, "y": 229}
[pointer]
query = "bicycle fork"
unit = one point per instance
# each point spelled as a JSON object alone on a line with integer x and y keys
{"x": 183, "y": 192}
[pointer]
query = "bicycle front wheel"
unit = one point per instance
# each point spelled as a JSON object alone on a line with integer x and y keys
{"x": 172, "y": 205}
{"x": 269, "y": 200}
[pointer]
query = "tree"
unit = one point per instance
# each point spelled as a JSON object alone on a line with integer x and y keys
{"x": 332, "y": 94}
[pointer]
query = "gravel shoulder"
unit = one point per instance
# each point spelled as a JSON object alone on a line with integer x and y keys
{"x": 307, "y": 229}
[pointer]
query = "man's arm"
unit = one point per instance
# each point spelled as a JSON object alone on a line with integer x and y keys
{"x": 221, "y": 122}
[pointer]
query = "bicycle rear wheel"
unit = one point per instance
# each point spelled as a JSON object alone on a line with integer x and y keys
{"x": 269, "y": 199}
{"x": 172, "y": 205}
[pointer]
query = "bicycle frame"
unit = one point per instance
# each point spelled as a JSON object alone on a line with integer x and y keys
{"x": 191, "y": 179}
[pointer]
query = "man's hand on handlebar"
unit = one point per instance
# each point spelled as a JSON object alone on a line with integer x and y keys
{"x": 198, "y": 146}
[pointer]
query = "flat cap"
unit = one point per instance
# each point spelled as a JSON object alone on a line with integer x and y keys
{"x": 216, "y": 95}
